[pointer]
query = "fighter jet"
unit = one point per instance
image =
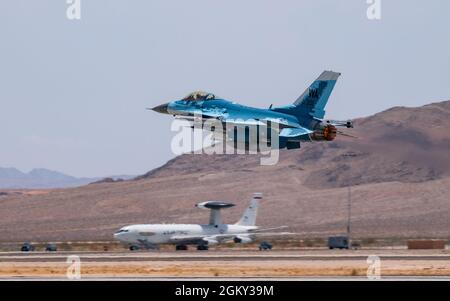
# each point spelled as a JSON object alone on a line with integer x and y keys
{"x": 298, "y": 122}
{"x": 182, "y": 235}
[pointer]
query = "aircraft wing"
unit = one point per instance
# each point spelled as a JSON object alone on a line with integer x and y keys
{"x": 218, "y": 238}
{"x": 268, "y": 229}
{"x": 270, "y": 234}
{"x": 205, "y": 238}
{"x": 232, "y": 121}
{"x": 236, "y": 120}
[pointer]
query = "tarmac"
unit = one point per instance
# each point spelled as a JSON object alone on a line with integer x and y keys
{"x": 286, "y": 265}
{"x": 224, "y": 256}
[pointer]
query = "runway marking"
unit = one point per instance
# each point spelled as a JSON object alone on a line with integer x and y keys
{"x": 120, "y": 257}
{"x": 218, "y": 279}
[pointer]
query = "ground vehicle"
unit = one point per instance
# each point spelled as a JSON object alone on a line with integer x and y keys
{"x": 355, "y": 245}
{"x": 265, "y": 246}
{"x": 51, "y": 248}
{"x": 338, "y": 242}
{"x": 27, "y": 247}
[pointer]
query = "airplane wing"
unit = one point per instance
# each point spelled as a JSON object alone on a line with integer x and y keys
{"x": 280, "y": 123}
{"x": 230, "y": 122}
{"x": 271, "y": 234}
{"x": 218, "y": 238}
{"x": 268, "y": 229}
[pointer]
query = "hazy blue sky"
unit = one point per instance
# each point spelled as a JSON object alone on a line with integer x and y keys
{"x": 73, "y": 93}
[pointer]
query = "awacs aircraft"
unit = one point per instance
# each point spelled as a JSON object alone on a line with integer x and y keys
{"x": 300, "y": 121}
{"x": 181, "y": 235}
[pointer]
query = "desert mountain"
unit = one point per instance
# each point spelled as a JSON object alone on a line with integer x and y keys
{"x": 408, "y": 145}
{"x": 41, "y": 178}
{"x": 38, "y": 178}
{"x": 399, "y": 170}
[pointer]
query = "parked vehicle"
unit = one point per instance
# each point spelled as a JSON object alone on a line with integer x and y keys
{"x": 338, "y": 242}
{"x": 356, "y": 245}
{"x": 265, "y": 246}
{"x": 27, "y": 247}
{"x": 51, "y": 248}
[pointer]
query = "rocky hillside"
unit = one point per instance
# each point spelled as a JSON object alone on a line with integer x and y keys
{"x": 38, "y": 178}
{"x": 399, "y": 170}
{"x": 401, "y": 144}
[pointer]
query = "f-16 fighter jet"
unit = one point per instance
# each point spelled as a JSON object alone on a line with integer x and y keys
{"x": 298, "y": 122}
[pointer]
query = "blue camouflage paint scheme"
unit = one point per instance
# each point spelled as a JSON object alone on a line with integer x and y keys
{"x": 297, "y": 122}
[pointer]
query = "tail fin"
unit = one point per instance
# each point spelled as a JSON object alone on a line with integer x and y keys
{"x": 313, "y": 101}
{"x": 249, "y": 217}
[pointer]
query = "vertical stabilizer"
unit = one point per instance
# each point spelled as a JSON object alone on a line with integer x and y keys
{"x": 313, "y": 101}
{"x": 249, "y": 217}
{"x": 315, "y": 98}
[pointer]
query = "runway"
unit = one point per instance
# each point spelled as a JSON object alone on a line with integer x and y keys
{"x": 220, "y": 279}
{"x": 230, "y": 265}
{"x": 307, "y": 255}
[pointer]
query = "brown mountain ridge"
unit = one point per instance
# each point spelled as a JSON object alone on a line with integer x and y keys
{"x": 399, "y": 170}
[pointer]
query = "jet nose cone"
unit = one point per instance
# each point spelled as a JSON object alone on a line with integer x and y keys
{"x": 161, "y": 108}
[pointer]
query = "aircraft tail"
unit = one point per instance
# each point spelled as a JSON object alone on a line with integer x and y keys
{"x": 313, "y": 101}
{"x": 249, "y": 216}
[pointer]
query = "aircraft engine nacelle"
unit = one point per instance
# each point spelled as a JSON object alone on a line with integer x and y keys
{"x": 324, "y": 131}
{"x": 211, "y": 242}
{"x": 242, "y": 239}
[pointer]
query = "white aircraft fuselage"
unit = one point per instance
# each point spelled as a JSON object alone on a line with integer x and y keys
{"x": 165, "y": 233}
{"x": 151, "y": 235}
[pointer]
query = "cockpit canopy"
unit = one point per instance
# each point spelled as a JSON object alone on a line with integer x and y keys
{"x": 199, "y": 96}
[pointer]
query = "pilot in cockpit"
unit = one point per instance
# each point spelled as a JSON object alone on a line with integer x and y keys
{"x": 199, "y": 96}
